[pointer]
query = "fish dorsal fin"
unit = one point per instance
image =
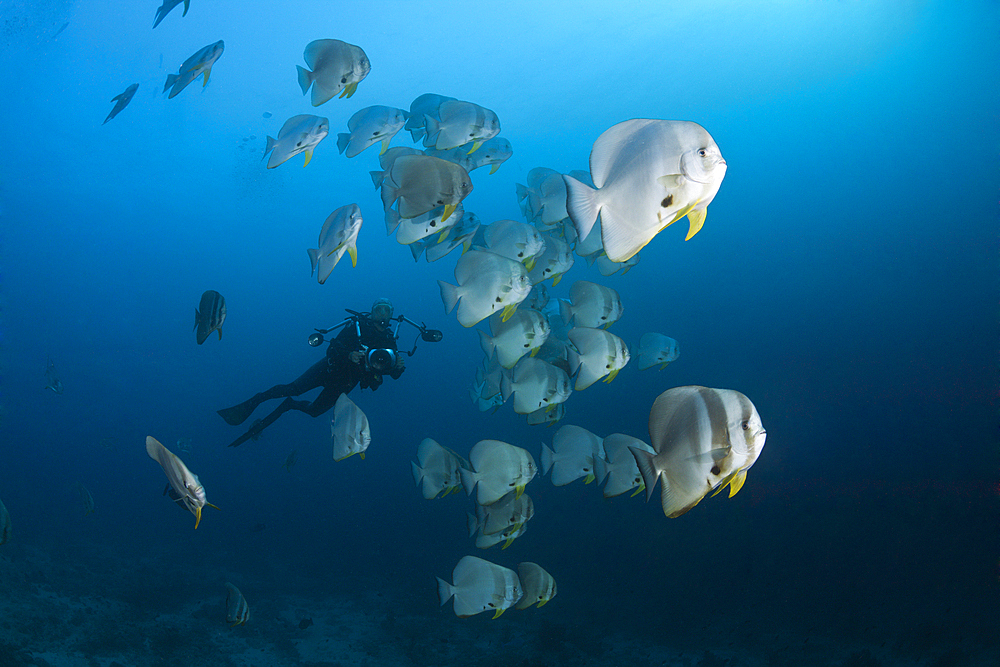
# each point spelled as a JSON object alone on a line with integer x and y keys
{"x": 614, "y": 145}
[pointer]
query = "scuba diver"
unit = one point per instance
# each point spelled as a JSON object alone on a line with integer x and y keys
{"x": 363, "y": 352}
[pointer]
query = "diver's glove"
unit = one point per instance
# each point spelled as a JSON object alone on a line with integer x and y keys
{"x": 356, "y": 357}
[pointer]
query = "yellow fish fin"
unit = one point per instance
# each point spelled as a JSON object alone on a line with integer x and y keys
{"x": 529, "y": 263}
{"x": 508, "y": 310}
{"x": 729, "y": 478}
{"x": 737, "y": 483}
{"x": 444, "y": 234}
{"x": 556, "y": 279}
{"x": 493, "y": 169}
{"x": 219, "y": 331}
{"x": 475, "y": 147}
{"x": 510, "y": 540}
{"x": 207, "y": 72}
{"x": 534, "y": 351}
{"x": 385, "y": 146}
{"x": 639, "y": 489}
{"x": 497, "y": 615}
{"x": 309, "y": 156}
{"x": 211, "y": 505}
{"x": 612, "y": 375}
{"x": 197, "y": 517}
{"x": 519, "y": 489}
{"x": 542, "y": 603}
{"x": 664, "y": 365}
{"x": 695, "y": 220}
{"x": 589, "y": 478}
{"x": 448, "y": 210}
{"x": 677, "y": 216}
{"x": 349, "y": 90}
{"x": 362, "y": 455}
{"x": 353, "y": 252}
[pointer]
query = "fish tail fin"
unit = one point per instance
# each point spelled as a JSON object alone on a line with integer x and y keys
{"x": 450, "y": 296}
{"x": 600, "y": 469}
{"x": 432, "y": 127}
{"x": 197, "y": 318}
{"x": 171, "y": 78}
{"x": 565, "y": 310}
{"x": 487, "y": 343}
{"x": 418, "y": 473}
{"x": 270, "y": 145}
{"x": 445, "y": 590}
{"x": 506, "y": 386}
{"x": 377, "y": 178}
{"x": 391, "y": 220}
{"x": 313, "y": 259}
{"x": 521, "y": 190}
{"x": 468, "y": 480}
{"x": 546, "y": 459}
{"x": 471, "y": 523}
{"x": 187, "y": 5}
{"x": 305, "y": 78}
{"x": 582, "y": 205}
{"x": 342, "y": 141}
{"x": 646, "y": 468}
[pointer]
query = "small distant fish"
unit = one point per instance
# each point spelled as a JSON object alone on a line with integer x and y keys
{"x": 165, "y": 8}
{"x": 537, "y": 585}
{"x": 199, "y": 63}
{"x": 535, "y": 384}
{"x": 495, "y": 469}
{"x": 370, "y": 126}
{"x": 184, "y": 483}
{"x": 438, "y": 471}
{"x": 52, "y": 381}
{"x": 237, "y": 609}
{"x": 429, "y": 224}
{"x": 184, "y": 444}
{"x": 421, "y": 183}
{"x": 572, "y": 455}
{"x": 597, "y": 354}
{"x": 210, "y": 315}
{"x": 5, "y": 529}
{"x": 457, "y": 123}
{"x": 655, "y": 348}
{"x": 386, "y": 160}
{"x": 336, "y": 66}
{"x": 555, "y": 259}
{"x": 648, "y": 175}
{"x": 547, "y": 416}
{"x": 338, "y": 235}
{"x": 487, "y": 283}
{"x": 266, "y": 114}
{"x": 493, "y": 152}
{"x": 60, "y": 30}
{"x": 122, "y": 100}
{"x": 480, "y": 586}
{"x": 523, "y": 333}
{"x": 349, "y": 429}
{"x": 506, "y": 515}
{"x": 299, "y": 134}
{"x": 544, "y": 198}
{"x": 459, "y": 234}
{"x": 618, "y": 466}
{"x": 425, "y": 105}
{"x": 592, "y": 305}
{"x": 86, "y": 499}
{"x": 704, "y": 439}
{"x": 289, "y": 460}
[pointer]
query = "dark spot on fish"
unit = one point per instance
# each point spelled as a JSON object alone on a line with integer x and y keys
{"x": 715, "y": 470}
{"x": 498, "y": 299}
{"x": 297, "y": 145}
{"x": 667, "y": 201}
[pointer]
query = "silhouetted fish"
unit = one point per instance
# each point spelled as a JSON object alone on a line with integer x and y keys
{"x": 210, "y": 315}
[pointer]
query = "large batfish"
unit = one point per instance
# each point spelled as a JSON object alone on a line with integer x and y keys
{"x": 299, "y": 134}
{"x": 338, "y": 235}
{"x": 496, "y": 468}
{"x": 704, "y": 439}
{"x": 480, "y": 586}
{"x": 648, "y": 174}
{"x": 421, "y": 183}
{"x": 487, "y": 283}
{"x": 349, "y": 429}
{"x": 199, "y": 63}
{"x": 370, "y": 126}
{"x": 184, "y": 482}
{"x": 537, "y": 585}
{"x": 336, "y": 66}
{"x": 209, "y": 315}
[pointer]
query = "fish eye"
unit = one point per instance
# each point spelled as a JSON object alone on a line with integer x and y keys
{"x": 702, "y": 152}
{"x": 745, "y": 425}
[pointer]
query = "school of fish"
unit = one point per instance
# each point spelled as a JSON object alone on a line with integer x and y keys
{"x": 644, "y": 175}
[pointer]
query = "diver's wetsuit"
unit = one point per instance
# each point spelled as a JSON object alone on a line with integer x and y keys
{"x": 337, "y": 374}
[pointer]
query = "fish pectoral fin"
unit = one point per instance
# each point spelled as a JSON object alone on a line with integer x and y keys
{"x": 499, "y": 611}
{"x": 352, "y": 250}
{"x": 362, "y": 455}
{"x": 508, "y": 310}
{"x": 197, "y": 517}
{"x": 725, "y": 482}
{"x": 309, "y": 156}
{"x": 385, "y": 146}
{"x": 493, "y": 169}
{"x": 518, "y": 490}
{"x": 612, "y": 375}
{"x": 589, "y": 478}
{"x": 207, "y": 73}
{"x": 448, "y": 210}
{"x": 475, "y": 147}
{"x": 695, "y": 221}
{"x": 639, "y": 489}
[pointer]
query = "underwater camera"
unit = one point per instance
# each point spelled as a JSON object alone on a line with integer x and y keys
{"x": 380, "y": 359}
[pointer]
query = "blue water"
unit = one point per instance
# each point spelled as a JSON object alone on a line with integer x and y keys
{"x": 845, "y": 281}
